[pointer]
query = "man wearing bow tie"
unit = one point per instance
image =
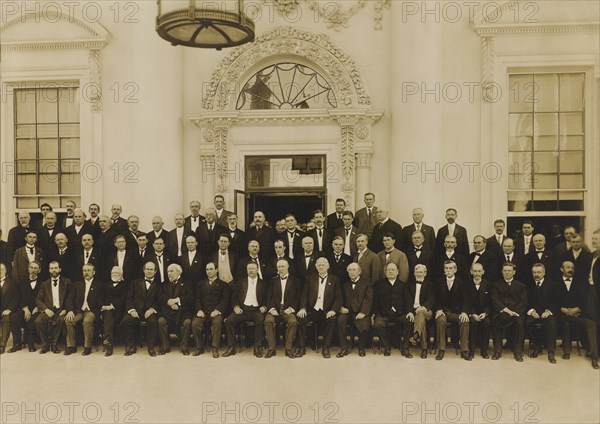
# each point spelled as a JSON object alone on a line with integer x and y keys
{"x": 51, "y": 302}
{"x": 292, "y": 237}
{"x": 85, "y": 254}
{"x": 541, "y": 310}
{"x": 334, "y": 220}
{"x": 571, "y": 295}
{"x": 84, "y": 303}
{"x": 478, "y": 292}
{"x": 540, "y": 255}
{"x": 282, "y": 305}
{"x": 254, "y": 249}
{"x": 280, "y": 253}
{"x": 224, "y": 259}
{"x": 509, "y": 254}
{"x": 391, "y": 254}
{"x": 485, "y": 257}
{"x": 322, "y": 236}
{"x": 421, "y": 295}
{"x": 117, "y": 223}
{"x": 208, "y": 233}
{"x": 418, "y": 225}
{"x": 237, "y": 244}
{"x": 25, "y": 255}
{"x": 305, "y": 262}
{"x": 419, "y": 254}
{"x": 67, "y": 220}
{"x": 338, "y": 260}
{"x": 348, "y": 233}
{"x": 47, "y": 232}
{"x": 192, "y": 221}
{"x": 9, "y": 311}
{"x": 75, "y": 231}
{"x": 320, "y": 301}
{"x": 113, "y": 307}
{"x": 29, "y": 287}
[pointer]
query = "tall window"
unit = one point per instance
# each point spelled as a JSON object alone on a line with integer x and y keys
{"x": 47, "y": 140}
{"x": 546, "y": 142}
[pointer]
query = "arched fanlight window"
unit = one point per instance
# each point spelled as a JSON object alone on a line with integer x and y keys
{"x": 286, "y": 86}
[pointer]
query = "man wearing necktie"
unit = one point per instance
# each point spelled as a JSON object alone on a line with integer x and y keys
{"x": 370, "y": 264}
{"x": 357, "y": 301}
{"x": 571, "y": 295}
{"x": 51, "y": 301}
{"x": 509, "y": 254}
{"x": 265, "y": 236}
{"x": 118, "y": 223}
{"x": 366, "y": 218}
{"x": 391, "y": 254}
{"x": 581, "y": 258}
{"x": 113, "y": 307}
{"x": 142, "y": 304}
{"x": 84, "y": 303}
{"x": 292, "y": 237}
{"x": 418, "y": 225}
{"x": 320, "y": 302}
{"x": 282, "y": 305}
{"x": 249, "y": 301}
{"x": 494, "y": 242}
{"x": 305, "y": 262}
{"x": 208, "y": 233}
{"x": 253, "y": 256}
{"x": 29, "y": 288}
{"x": 9, "y": 311}
{"x": 478, "y": 292}
{"x": 421, "y": 296}
{"x": 334, "y": 220}
{"x": 450, "y": 254}
{"x": 16, "y": 236}
{"x": 338, "y": 260}
{"x": 348, "y": 233}
{"x": 541, "y": 310}
{"x": 322, "y": 236}
{"x": 453, "y": 229}
{"x": 25, "y": 255}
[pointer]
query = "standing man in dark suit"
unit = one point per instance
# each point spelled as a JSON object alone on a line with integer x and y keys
{"x": 418, "y": 254}
{"x": 462, "y": 240}
{"x": 306, "y": 261}
{"x": 540, "y": 255}
{"x": 542, "y": 310}
{"x": 253, "y": 256}
{"x": 338, "y": 260}
{"x": 494, "y": 243}
{"x": 84, "y": 303}
{"x": 348, "y": 233}
{"x": 47, "y": 232}
{"x": 280, "y": 253}
{"x": 451, "y": 306}
{"x": 52, "y": 305}
{"x": 161, "y": 260}
{"x": 509, "y": 304}
{"x": 485, "y": 257}
{"x": 292, "y": 237}
{"x": 564, "y": 246}
{"x": 26, "y": 254}
{"x": 176, "y": 239}
{"x": 282, "y": 305}
{"x": 510, "y": 255}
{"x": 105, "y": 243}
{"x": 320, "y": 302}
{"x": 264, "y": 235}
{"x": 391, "y": 254}
{"x": 44, "y": 209}
{"x": 9, "y": 311}
{"x": 123, "y": 258}
{"x": 581, "y": 258}
{"x": 16, "y": 237}
{"x": 249, "y": 301}
{"x": 29, "y": 287}
{"x": 158, "y": 231}
{"x": 385, "y": 225}
{"x": 192, "y": 263}
{"x": 570, "y": 298}
{"x": 192, "y": 221}
{"x": 224, "y": 260}
{"x": 357, "y": 301}
{"x": 75, "y": 231}
{"x": 142, "y": 254}
{"x": 222, "y": 214}
{"x": 369, "y": 262}
{"x": 113, "y": 307}
{"x": 418, "y": 225}
{"x": 63, "y": 254}
{"x": 118, "y": 223}
{"x": 3, "y": 253}
{"x": 67, "y": 220}
{"x": 479, "y": 301}
{"x": 211, "y": 303}
{"x": 94, "y": 211}
{"x": 450, "y": 254}
{"x": 421, "y": 297}
{"x": 365, "y": 218}
{"x": 208, "y": 233}
{"x": 176, "y": 303}
{"x": 86, "y": 254}
{"x": 334, "y": 220}
{"x": 321, "y": 235}
{"x": 524, "y": 242}
{"x": 142, "y": 304}
{"x": 133, "y": 223}
{"x": 238, "y": 243}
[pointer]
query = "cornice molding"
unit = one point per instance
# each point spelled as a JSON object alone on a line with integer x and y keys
{"x": 527, "y": 29}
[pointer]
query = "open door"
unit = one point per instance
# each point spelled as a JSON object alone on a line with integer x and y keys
{"x": 240, "y": 206}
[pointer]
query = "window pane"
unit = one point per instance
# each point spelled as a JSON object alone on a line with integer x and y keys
{"x": 26, "y": 184}
{"x": 520, "y": 124}
{"x": 519, "y": 144}
{"x": 571, "y": 162}
{"x": 69, "y": 130}
{"x": 69, "y": 166}
{"x": 546, "y": 142}
{"x": 48, "y": 166}
{"x": 521, "y": 93}
{"x": 50, "y": 200}
{"x": 546, "y": 93}
{"x": 47, "y": 131}
{"x": 49, "y": 184}
{"x": 26, "y": 167}
{"x": 544, "y": 195}
{"x": 571, "y": 142}
{"x": 27, "y": 203}
{"x": 48, "y": 148}
{"x": 571, "y": 123}
{"x": 570, "y": 195}
{"x": 47, "y": 105}
{"x": 571, "y": 181}
{"x": 68, "y": 105}
{"x": 70, "y": 183}
{"x": 545, "y": 181}
{"x": 545, "y": 162}
{"x": 518, "y": 161}
{"x": 518, "y": 201}
{"x": 69, "y": 148}
{"x": 26, "y": 149}
{"x": 546, "y": 124}
{"x": 25, "y": 131}
{"x": 25, "y": 105}
{"x": 572, "y": 92}
{"x": 520, "y": 181}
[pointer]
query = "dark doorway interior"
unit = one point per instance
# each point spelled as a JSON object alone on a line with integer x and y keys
{"x": 275, "y": 206}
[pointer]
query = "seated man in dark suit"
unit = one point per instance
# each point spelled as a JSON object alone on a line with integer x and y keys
{"x": 143, "y": 303}
{"x": 479, "y": 294}
{"x": 113, "y": 307}
{"x": 176, "y": 302}
{"x": 282, "y": 305}
{"x": 84, "y": 303}
{"x": 421, "y": 294}
{"x": 320, "y": 301}
{"x": 542, "y": 310}
{"x": 249, "y": 299}
{"x": 211, "y": 303}
{"x": 52, "y": 304}
{"x": 509, "y": 303}
{"x": 451, "y": 305}
{"x": 29, "y": 288}
{"x": 571, "y": 295}
{"x": 9, "y": 310}
{"x": 357, "y": 296}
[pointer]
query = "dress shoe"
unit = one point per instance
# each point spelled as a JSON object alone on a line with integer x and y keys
{"x": 551, "y": 358}
{"x": 386, "y": 352}
{"x": 406, "y": 353}
{"x": 68, "y": 351}
{"x": 518, "y": 357}
{"x": 108, "y": 350}
{"x": 496, "y": 356}
{"x": 151, "y": 352}
{"x": 440, "y": 355}
{"x": 342, "y": 353}
{"x": 566, "y": 356}
{"x": 270, "y": 354}
{"x": 423, "y": 353}
{"x": 257, "y": 352}
{"x": 32, "y": 348}
{"x": 534, "y": 353}
{"x": 129, "y": 351}
{"x": 45, "y": 349}
{"x": 198, "y": 352}
{"x": 325, "y": 352}
{"x": 185, "y": 352}
{"x": 361, "y": 352}
{"x": 484, "y": 354}
{"x": 15, "y": 348}
{"x": 55, "y": 349}
{"x": 300, "y": 352}
{"x": 229, "y": 352}
{"x": 215, "y": 352}
{"x": 466, "y": 356}
{"x": 290, "y": 353}
{"x": 86, "y": 351}
{"x": 162, "y": 351}
{"x": 595, "y": 363}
